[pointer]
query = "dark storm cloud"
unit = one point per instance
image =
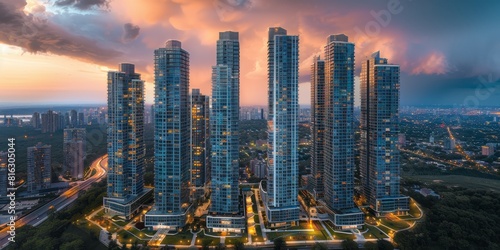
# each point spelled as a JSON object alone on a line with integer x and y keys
{"x": 83, "y": 4}
{"x": 36, "y": 34}
{"x": 130, "y": 32}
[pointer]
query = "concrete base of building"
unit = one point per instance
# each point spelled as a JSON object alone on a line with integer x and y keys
{"x": 226, "y": 223}
{"x": 344, "y": 219}
{"x": 399, "y": 205}
{"x": 347, "y": 219}
{"x": 127, "y": 207}
{"x": 155, "y": 219}
{"x": 278, "y": 217}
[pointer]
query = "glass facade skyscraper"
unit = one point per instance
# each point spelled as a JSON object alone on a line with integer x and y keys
{"x": 380, "y": 162}
{"x": 171, "y": 138}
{"x": 126, "y": 149}
{"x": 74, "y": 148}
{"x": 316, "y": 186}
{"x": 339, "y": 132}
{"x": 280, "y": 197}
{"x": 200, "y": 143}
{"x": 225, "y": 213}
{"x": 39, "y": 170}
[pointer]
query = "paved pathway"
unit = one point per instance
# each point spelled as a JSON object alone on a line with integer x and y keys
{"x": 326, "y": 229}
{"x": 259, "y": 208}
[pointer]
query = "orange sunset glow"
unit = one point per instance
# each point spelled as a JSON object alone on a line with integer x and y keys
{"x": 55, "y": 51}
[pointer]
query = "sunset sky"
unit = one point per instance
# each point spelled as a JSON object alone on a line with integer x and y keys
{"x": 58, "y": 51}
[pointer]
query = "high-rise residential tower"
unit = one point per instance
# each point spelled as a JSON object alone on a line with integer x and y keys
{"x": 200, "y": 143}
{"x": 339, "y": 133}
{"x": 171, "y": 138}
{"x": 380, "y": 166}
{"x": 317, "y": 126}
{"x": 74, "y": 152}
{"x": 73, "y": 118}
{"x": 39, "y": 169}
{"x": 126, "y": 149}
{"x": 35, "y": 120}
{"x": 280, "y": 197}
{"x": 225, "y": 213}
{"x": 51, "y": 122}
{"x": 81, "y": 119}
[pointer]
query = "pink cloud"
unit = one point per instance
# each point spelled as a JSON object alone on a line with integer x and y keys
{"x": 433, "y": 63}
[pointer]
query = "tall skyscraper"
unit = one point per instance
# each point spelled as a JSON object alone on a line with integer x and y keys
{"x": 200, "y": 143}
{"x": 317, "y": 126}
{"x": 35, "y": 120}
{"x": 81, "y": 119}
{"x": 152, "y": 113}
{"x": 67, "y": 120}
{"x": 126, "y": 149}
{"x": 380, "y": 166}
{"x": 74, "y": 118}
{"x": 3, "y": 173}
{"x": 38, "y": 168}
{"x": 225, "y": 213}
{"x": 172, "y": 135}
{"x": 280, "y": 198}
{"x": 339, "y": 133}
{"x": 74, "y": 152}
{"x": 51, "y": 122}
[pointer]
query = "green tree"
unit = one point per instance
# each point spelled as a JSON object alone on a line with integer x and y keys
{"x": 220, "y": 247}
{"x": 370, "y": 245}
{"x": 205, "y": 243}
{"x": 279, "y": 244}
{"x": 349, "y": 244}
{"x": 77, "y": 244}
{"x": 238, "y": 245}
{"x": 384, "y": 245}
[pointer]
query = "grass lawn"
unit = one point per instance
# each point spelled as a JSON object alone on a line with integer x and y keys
{"x": 395, "y": 224}
{"x": 341, "y": 236}
{"x": 273, "y": 236}
{"x": 328, "y": 227}
{"x": 200, "y": 237}
{"x": 126, "y": 237}
{"x": 254, "y": 205}
{"x": 385, "y": 229}
{"x": 258, "y": 237}
{"x": 318, "y": 227}
{"x": 406, "y": 217}
{"x": 294, "y": 235}
{"x": 138, "y": 233}
{"x": 178, "y": 239}
{"x": 120, "y": 223}
{"x": 373, "y": 233}
{"x": 256, "y": 218}
{"x": 232, "y": 240}
{"x": 100, "y": 213}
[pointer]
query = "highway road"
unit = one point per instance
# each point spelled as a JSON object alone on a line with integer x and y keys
{"x": 41, "y": 214}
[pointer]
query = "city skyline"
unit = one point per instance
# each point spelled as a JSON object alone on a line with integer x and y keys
{"x": 249, "y": 123}
{"x": 434, "y": 69}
